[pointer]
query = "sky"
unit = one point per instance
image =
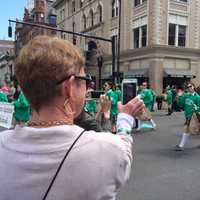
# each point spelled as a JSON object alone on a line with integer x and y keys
{"x": 10, "y": 9}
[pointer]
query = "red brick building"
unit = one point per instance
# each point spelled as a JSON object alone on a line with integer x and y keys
{"x": 42, "y": 13}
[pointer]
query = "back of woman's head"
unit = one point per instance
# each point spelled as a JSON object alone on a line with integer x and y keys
{"x": 42, "y": 63}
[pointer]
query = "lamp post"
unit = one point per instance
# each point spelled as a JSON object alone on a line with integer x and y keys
{"x": 100, "y": 64}
{"x": 118, "y": 47}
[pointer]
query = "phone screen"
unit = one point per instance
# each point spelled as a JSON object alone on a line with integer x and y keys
{"x": 129, "y": 91}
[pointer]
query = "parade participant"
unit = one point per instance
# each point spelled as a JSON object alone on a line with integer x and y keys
{"x": 146, "y": 95}
{"x": 17, "y": 92}
{"x": 169, "y": 100}
{"x": 174, "y": 99}
{"x": 22, "y": 109}
{"x": 114, "y": 96}
{"x": 50, "y": 157}
{"x": 190, "y": 100}
{"x": 159, "y": 101}
{"x": 11, "y": 92}
{"x": 90, "y": 104}
{"x": 3, "y": 96}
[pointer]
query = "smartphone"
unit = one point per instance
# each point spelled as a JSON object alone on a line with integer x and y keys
{"x": 129, "y": 90}
{"x": 96, "y": 94}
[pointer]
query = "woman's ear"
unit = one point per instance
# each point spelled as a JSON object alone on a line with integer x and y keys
{"x": 68, "y": 87}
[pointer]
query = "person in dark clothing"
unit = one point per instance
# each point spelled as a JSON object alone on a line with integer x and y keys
{"x": 17, "y": 93}
{"x": 159, "y": 100}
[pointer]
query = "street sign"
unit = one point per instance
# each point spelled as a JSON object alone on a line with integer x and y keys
{"x": 6, "y": 114}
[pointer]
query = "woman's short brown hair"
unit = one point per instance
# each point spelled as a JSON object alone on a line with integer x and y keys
{"x": 42, "y": 63}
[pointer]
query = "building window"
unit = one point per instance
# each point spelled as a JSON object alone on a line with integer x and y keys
{"x": 139, "y": 2}
{"x": 115, "y": 8}
{"x": 183, "y": 1}
{"x": 81, "y": 3}
{"x": 172, "y": 34}
{"x": 99, "y": 13}
{"x": 52, "y": 20}
{"x": 73, "y": 7}
{"x": 91, "y": 16}
{"x": 136, "y": 33}
{"x": 62, "y": 14}
{"x": 140, "y": 37}
{"x": 84, "y": 22}
{"x": 181, "y": 36}
{"x": 177, "y": 35}
{"x": 144, "y": 35}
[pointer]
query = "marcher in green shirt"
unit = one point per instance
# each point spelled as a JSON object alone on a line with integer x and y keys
{"x": 22, "y": 109}
{"x": 114, "y": 96}
{"x": 90, "y": 106}
{"x": 187, "y": 101}
{"x": 191, "y": 103}
{"x": 146, "y": 96}
{"x": 3, "y": 97}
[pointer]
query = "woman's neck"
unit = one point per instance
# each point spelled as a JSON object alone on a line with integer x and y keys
{"x": 52, "y": 114}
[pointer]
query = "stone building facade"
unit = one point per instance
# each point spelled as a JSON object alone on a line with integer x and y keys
{"x": 160, "y": 39}
{"x": 6, "y": 61}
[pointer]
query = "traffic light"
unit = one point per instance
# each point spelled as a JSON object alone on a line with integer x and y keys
{"x": 74, "y": 39}
{"x": 10, "y": 31}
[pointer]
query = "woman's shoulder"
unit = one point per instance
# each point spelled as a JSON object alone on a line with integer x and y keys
{"x": 107, "y": 140}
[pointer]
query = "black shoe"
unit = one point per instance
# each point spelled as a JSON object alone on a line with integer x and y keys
{"x": 178, "y": 148}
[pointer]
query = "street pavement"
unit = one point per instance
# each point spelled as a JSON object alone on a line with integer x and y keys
{"x": 159, "y": 172}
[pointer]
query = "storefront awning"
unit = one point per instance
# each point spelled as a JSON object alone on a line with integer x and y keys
{"x": 178, "y": 73}
{"x": 137, "y": 73}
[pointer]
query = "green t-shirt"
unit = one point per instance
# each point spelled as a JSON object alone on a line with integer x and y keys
{"x": 90, "y": 105}
{"x": 114, "y": 96}
{"x": 147, "y": 97}
{"x": 3, "y": 97}
{"x": 169, "y": 97}
{"x": 22, "y": 108}
{"x": 188, "y": 102}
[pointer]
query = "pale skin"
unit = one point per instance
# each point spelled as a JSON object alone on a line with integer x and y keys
{"x": 69, "y": 104}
